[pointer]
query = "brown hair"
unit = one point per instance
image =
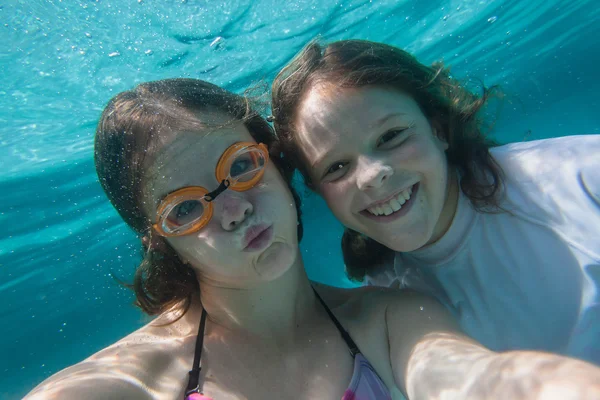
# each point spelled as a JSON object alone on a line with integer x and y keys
{"x": 357, "y": 63}
{"x": 130, "y": 131}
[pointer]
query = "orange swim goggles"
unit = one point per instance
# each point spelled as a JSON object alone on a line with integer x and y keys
{"x": 189, "y": 209}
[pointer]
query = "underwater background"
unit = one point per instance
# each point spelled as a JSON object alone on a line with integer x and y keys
{"x": 61, "y": 242}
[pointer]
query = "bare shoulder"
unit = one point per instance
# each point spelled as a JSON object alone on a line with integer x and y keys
{"x": 367, "y": 299}
{"x": 336, "y": 297}
{"x": 128, "y": 369}
{"x": 393, "y": 304}
{"x": 386, "y": 324}
{"x": 408, "y": 312}
{"x": 83, "y": 385}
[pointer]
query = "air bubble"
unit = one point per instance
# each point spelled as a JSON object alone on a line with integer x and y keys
{"x": 217, "y": 43}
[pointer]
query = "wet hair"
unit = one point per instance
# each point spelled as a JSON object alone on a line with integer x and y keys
{"x": 442, "y": 99}
{"x": 133, "y": 127}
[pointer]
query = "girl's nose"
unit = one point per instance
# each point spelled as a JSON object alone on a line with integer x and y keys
{"x": 371, "y": 174}
{"x": 234, "y": 210}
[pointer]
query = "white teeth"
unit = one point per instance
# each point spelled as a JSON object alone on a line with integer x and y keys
{"x": 393, "y": 205}
{"x": 400, "y": 198}
{"x": 375, "y": 210}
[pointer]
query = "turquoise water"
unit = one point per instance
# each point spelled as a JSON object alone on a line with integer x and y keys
{"x": 61, "y": 61}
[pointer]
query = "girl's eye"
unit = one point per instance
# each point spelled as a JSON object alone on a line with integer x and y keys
{"x": 186, "y": 212}
{"x": 390, "y": 138}
{"x": 336, "y": 169}
{"x": 240, "y": 166}
{"x": 186, "y": 208}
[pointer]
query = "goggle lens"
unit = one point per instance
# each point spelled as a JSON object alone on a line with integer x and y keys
{"x": 245, "y": 166}
{"x": 183, "y": 215}
{"x": 183, "y": 212}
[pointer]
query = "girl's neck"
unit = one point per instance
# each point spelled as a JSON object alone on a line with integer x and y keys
{"x": 272, "y": 309}
{"x": 449, "y": 209}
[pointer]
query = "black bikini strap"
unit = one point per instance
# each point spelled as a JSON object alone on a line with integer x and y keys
{"x": 194, "y": 374}
{"x": 345, "y": 335}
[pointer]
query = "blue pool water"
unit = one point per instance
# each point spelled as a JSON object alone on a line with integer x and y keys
{"x": 61, "y": 61}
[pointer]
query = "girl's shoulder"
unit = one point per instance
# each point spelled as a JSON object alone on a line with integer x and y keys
{"x": 548, "y": 158}
{"x": 369, "y": 303}
{"x": 126, "y": 369}
{"x": 340, "y": 298}
{"x": 360, "y": 310}
{"x": 546, "y": 174}
{"x": 559, "y": 143}
{"x": 555, "y": 183}
{"x": 563, "y": 165}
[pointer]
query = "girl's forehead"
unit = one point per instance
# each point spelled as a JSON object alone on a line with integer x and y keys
{"x": 364, "y": 98}
{"x": 202, "y": 145}
{"x": 327, "y": 112}
{"x": 190, "y": 158}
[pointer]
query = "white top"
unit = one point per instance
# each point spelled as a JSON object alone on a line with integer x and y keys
{"x": 528, "y": 278}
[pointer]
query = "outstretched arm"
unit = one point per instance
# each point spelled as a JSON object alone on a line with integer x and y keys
{"x": 431, "y": 359}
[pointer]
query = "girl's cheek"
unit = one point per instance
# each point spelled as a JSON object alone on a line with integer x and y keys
{"x": 416, "y": 152}
{"x": 409, "y": 151}
{"x": 335, "y": 194}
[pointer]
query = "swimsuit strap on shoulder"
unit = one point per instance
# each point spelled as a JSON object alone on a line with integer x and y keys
{"x": 192, "y": 391}
{"x": 345, "y": 335}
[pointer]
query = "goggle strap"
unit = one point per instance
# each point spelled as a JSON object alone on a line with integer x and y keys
{"x": 222, "y": 187}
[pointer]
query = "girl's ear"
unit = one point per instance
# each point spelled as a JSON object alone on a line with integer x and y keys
{"x": 436, "y": 128}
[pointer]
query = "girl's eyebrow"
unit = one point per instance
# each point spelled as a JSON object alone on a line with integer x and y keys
{"x": 320, "y": 158}
{"x": 318, "y": 161}
{"x": 387, "y": 117}
{"x": 324, "y": 155}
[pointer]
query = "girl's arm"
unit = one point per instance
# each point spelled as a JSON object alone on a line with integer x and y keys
{"x": 431, "y": 359}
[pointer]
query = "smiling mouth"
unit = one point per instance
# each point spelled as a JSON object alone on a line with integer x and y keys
{"x": 396, "y": 206}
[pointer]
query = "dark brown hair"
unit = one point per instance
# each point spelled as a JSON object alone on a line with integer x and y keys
{"x": 130, "y": 131}
{"x": 443, "y": 100}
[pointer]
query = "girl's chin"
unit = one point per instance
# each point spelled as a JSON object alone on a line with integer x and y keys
{"x": 275, "y": 261}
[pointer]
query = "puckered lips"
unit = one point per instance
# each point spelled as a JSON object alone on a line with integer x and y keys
{"x": 257, "y": 237}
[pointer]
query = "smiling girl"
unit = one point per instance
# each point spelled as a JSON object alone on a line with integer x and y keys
{"x": 508, "y": 237}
